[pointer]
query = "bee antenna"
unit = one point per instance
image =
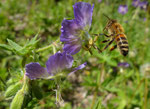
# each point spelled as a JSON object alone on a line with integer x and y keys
{"x": 106, "y": 16}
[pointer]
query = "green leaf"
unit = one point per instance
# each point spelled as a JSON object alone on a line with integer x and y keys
{"x": 99, "y": 104}
{"x": 4, "y": 46}
{"x": 33, "y": 41}
{"x": 14, "y": 45}
{"x": 28, "y": 47}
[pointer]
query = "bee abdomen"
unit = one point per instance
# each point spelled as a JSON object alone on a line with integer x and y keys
{"x": 122, "y": 44}
{"x": 124, "y": 49}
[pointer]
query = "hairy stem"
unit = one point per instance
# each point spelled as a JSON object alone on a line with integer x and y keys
{"x": 59, "y": 100}
{"x": 145, "y": 95}
{"x": 133, "y": 95}
{"x": 99, "y": 80}
{"x": 47, "y": 47}
{"x": 136, "y": 13}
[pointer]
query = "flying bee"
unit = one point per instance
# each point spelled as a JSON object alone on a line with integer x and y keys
{"x": 116, "y": 33}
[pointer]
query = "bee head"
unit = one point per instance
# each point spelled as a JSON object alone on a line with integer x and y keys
{"x": 109, "y": 23}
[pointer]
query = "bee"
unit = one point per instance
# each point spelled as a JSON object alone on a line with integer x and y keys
{"x": 116, "y": 33}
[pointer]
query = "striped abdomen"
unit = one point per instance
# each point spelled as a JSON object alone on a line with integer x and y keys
{"x": 122, "y": 44}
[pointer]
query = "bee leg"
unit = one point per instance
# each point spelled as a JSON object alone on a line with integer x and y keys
{"x": 112, "y": 48}
{"x": 87, "y": 49}
{"x": 106, "y": 35}
{"x": 96, "y": 48}
{"x": 104, "y": 41}
{"x": 101, "y": 35}
{"x": 108, "y": 44}
{"x": 104, "y": 29}
{"x": 90, "y": 51}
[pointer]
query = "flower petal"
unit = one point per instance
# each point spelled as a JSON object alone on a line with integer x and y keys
{"x": 58, "y": 62}
{"x": 78, "y": 68}
{"x": 83, "y": 14}
{"x": 123, "y": 64}
{"x": 70, "y": 36}
{"x": 36, "y": 71}
{"x": 72, "y": 48}
{"x": 69, "y": 30}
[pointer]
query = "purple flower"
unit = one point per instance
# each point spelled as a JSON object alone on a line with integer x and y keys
{"x": 135, "y": 3}
{"x": 123, "y": 9}
{"x": 123, "y": 64}
{"x": 143, "y": 5}
{"x": 144, "y": 19}
{"x": 99, "y": 1}
{"x": 74, "y": 32}
{"x": 56, "y": 64}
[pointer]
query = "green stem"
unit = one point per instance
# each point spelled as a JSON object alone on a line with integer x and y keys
{"x": 59, "y": 99}
{"x": 100, "y": 76}
{"x": 145, "y": 91}
{"x": 133, "y": 95}
{"x": 136, "y": 13}
{"x": 3, "y": 81}
{"x": 47, "y": 47}
{"x": 25, "y": 82}
{"x": 94, "y": 99}
{"x": 54, "y": 49}
{"x": 56, "y": 76}
{"x": 97, "y": 87}
{"x": 145, "y": 94}
{"x": 24, "y": 77}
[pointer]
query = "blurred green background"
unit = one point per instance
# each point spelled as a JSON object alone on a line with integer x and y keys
{"x": 102, "y": 84}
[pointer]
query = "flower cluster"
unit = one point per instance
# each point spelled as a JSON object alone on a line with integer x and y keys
{"x": 75, "y": 32}
{"x": 55, "y": 66}
{"x": 123, "y": 9}
{"x": 141, "y": 4}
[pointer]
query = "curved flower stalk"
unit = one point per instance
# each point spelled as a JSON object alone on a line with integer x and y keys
{"x": 55, "y": 66}
{"x": 74, "y": 33}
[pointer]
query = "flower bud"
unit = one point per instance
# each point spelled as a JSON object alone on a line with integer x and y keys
{"x": 12, "y": 89}
{"x": 17, "y": 102}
